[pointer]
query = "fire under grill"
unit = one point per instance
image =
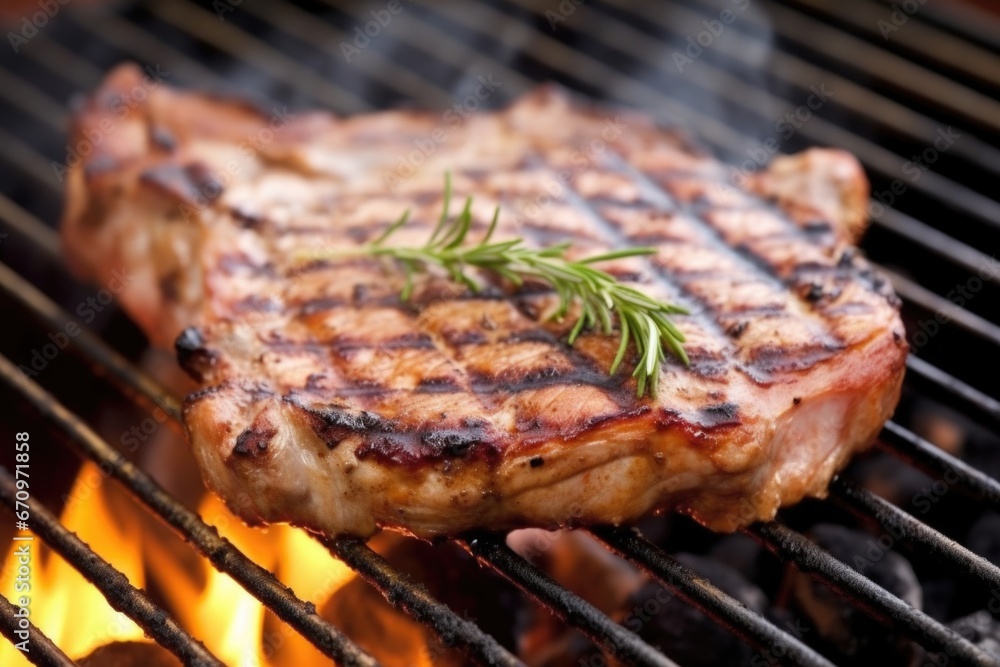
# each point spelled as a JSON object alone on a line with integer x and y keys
{"x": 892, "y": 83}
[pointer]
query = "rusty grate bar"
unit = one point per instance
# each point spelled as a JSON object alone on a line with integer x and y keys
{"x": 952, "y": 391}
{"x": 730, "y": 613}
{"x": 913, "y": 449}
{"x": 224, "y": 556}
{"x": 44, "y": 652}
{"x": 574, "y": 610}
{"x": 401, "y": 592}
{"x": 114, "y": 585}
{"x": 861, "y": 591}
{"x": 946, "y": 551}
{"x": 102, "y": 358}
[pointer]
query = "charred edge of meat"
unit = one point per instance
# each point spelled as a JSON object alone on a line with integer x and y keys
{"x": 254, "y": 439}
{"x": 192, "y": 184}
{"x": 192, "y": 354}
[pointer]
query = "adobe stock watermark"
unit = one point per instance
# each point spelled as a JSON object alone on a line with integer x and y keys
{"x": 914, "y": 169}
{"x": 962, "y": 293}
{"x": 901, "y": 13}
{"x": 381, "y": 18}
{"x": 119, "y": 109}
{"x": 451, "y": 120}
{"x": 87, "y": 310}
{"x": 784, "y": 129}
{"x": 697, "y": 43}
{"x": 582, "y": 158}
{"x": 32, "y": 23}
{"x": 566, "y": 9}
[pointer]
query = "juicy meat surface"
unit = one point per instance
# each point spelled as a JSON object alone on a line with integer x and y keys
{"x": 329, "y": 403}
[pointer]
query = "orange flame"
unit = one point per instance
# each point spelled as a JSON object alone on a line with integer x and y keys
{"x": 234, "y": 625}
{"x": 64, "y": 605}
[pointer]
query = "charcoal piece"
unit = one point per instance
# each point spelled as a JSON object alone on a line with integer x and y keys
{"x": 683, "y": 632}
{"x": 982, "y": 629}
{"x": 855, "y": 637}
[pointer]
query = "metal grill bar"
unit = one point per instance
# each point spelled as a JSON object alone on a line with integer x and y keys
{"x": 935, "y": 303}
{"x": 737, "y": 91}
{"x": 885, "y": 65}
{"x": 951, "y": 390}
{"x": 401, "y": 592}
{"x": 864, "y": 102}
{"x": 101, "y": 357}
{"x": 370, "y": 565}
{"x": 731, "y": 614}
{"x": 44, "y": 652}
{"x": 571, "y": 608}
{"x": 787, "y": 544}
{"x": 114, "y": 585}
{"x": 201, "y": 24}
{"x": 27, "y": 225}
{"x": 967, "y": 257}
{"x": 915, "y": 450}
{"x": 224, "y": 556}
{"x": 918, "y": 36}
{"x": 31, "y": 99}
{"x": 866, "y": 505}
{"x": 320, "y": 34}
{"x": 123, "y": 35}
{"x": 583, "y": 68}
{"x": 366, "y": 562}
{"x": 963, "y": 18}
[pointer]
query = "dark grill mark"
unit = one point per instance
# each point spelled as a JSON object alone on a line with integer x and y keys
{"x": 192, "y": 184}
{"x": 333, "y": 424}
{"x": 768, "y": 360}
{"x": 254, "y": 440}
{"x": 438, "y": 385}
{"x": 247, "y": 219}
{"x": 431, "y": 446}
{"x": 234, "y": 263}
{"x": 514, "y": 381}
{"x": 452, "y": 443}
{"x": 736, "y": 330}
{"x": 720, "y": 414}
{"x": 100, "y": 164}
{"x": 537, "y": 461}
{"x": 256, "y": 304}
{"x": 464, "y": 337}
{"x": 168, "y": 286}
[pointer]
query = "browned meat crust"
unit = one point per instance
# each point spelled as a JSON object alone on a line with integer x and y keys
{"x": 328, "y": 403}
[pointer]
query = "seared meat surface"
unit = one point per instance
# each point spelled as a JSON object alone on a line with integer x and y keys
{"x": 329, "y": 403}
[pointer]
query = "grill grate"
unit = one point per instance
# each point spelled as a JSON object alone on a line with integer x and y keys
{"x": 811, "y": 40}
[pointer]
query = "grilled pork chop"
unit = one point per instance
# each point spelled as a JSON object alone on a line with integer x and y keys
{"x": 328, "y": 402}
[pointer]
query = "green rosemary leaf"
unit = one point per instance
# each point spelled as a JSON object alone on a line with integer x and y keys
{"x": 643, "y": 322}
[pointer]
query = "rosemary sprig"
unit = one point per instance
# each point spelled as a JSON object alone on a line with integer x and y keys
{"x": 641, "y": 319}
